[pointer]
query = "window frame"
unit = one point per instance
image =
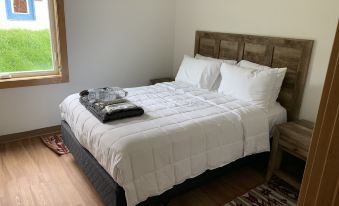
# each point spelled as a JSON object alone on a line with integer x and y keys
{"x": 12, "y": 15}
{"x": 59, "y": 50}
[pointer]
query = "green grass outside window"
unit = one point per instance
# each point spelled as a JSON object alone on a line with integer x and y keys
{"x": 25, "y": 50}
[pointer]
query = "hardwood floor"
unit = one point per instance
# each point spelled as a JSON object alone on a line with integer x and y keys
{"x": 31, "y": 174}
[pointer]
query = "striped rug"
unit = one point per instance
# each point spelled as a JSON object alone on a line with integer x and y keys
{"x": 56, "y": 143}
{"x": 275, "y": 193}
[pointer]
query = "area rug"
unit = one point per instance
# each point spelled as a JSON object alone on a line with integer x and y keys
{"x": 56, "y": 143}
{"x": 274, "y": 193}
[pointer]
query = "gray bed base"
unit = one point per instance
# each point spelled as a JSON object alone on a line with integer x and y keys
{"x": 113, "y": 194}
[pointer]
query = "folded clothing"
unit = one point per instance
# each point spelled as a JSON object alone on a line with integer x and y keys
{"x": 107, "y": 111}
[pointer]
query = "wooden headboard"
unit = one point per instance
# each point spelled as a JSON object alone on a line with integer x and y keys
{"x": 295, "y": 54}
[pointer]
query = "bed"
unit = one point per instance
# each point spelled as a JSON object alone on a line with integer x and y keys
{"x": 146, "y": 160}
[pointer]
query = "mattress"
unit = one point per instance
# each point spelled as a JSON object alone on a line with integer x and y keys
{"x": 276, "y": 114}
{"x": 184, "y": 132}
{"x": 111, "y": 193}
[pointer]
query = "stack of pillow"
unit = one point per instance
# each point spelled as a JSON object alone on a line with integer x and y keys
{"x": 257, "y": 84}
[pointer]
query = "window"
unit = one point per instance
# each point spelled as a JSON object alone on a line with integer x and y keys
{"x": 20, "y": 10}
{"x": 33, "y": 51}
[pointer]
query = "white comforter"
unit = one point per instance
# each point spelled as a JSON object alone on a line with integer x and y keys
{"x": 184, "y": 132}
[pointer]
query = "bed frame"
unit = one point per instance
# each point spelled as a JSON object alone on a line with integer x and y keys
{"x": 114, "y": 195}
{"x": 294, "y": 54}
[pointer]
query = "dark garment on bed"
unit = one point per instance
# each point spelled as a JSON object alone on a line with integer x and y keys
{"x": 106, "y": 112}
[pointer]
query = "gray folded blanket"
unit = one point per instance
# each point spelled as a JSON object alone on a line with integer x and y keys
{"x": 107, "y": 111}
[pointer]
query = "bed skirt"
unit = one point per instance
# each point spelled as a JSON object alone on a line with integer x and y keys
{"x": 112, "y": 194}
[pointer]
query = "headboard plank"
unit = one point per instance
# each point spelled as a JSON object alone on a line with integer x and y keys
{"x": 295, "y": 54}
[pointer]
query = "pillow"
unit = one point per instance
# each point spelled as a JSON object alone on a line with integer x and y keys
{"x": 198, "y": 56}
{"x": 218, "y": 80}
{"x": 250, "y": 85}
{"x": 198, "y": 72}
{"x": 216, "y": 84}
{"x": 280, "y": 74}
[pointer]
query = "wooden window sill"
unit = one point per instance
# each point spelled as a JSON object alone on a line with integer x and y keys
{"x": 33, "y": 81}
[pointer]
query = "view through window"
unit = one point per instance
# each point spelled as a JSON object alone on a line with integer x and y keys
{"x": 26, "y": 38}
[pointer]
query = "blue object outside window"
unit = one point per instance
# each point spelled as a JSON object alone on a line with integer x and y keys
{"x": 20, "y": 9}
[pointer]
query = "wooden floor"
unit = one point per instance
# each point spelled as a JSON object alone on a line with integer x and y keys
{"x": 31, "y": 174}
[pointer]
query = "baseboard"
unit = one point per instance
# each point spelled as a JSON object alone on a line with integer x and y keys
{"x": 30, "y": 134}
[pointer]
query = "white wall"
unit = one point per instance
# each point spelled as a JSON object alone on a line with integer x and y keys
{"x": 110, "y": 43}
{"x": 309, "y": 19}
{"x": 126, "y": 43}
{"x": 41, "y": 15}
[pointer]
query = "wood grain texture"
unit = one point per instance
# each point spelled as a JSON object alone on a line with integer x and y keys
{"x": 30, "y": 134}
{"x": 321, "y": 179}
{"x": 295, "y": 54}
{"x": 293, "y": 138}
{"x": 31, "y": 174}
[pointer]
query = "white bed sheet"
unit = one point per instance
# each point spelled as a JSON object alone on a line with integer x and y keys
{"x": 277, "y": 114}
{"x": 184, "y": 132}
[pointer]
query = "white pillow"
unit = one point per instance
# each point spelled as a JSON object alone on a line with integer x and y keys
{"x": 198, "y": 56}
{"x": 218, "y": 80}
{"x": 216, "y": 84}
{"x": 280, "y": 74}
{"x": 250, "y": 85}
{"x": 198, "y": 72}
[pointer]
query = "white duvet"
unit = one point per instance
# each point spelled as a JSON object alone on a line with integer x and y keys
{"x": 184, "y": 132}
